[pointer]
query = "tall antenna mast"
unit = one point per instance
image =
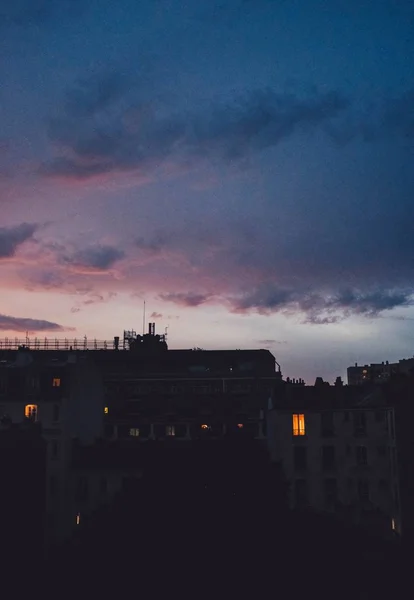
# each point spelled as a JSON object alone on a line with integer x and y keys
{"x": 143, "y": 321}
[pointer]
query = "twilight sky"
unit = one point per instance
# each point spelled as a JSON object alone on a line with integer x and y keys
{"x": 245, "y": 166}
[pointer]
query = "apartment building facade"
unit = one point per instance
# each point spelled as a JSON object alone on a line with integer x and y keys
{"x": 340, "y": 459}
{"x": 63, "y": 394}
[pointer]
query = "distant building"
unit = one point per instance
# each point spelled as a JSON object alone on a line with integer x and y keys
{"x": 339, "y": 454}
{"x": 378, "y": 373}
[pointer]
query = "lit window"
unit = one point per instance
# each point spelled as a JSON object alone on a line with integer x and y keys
{"x": 30, "y": 412}
{"x": 204, "y": 426}
{"x": 78, "y": 519}
{"x": 134, "y": 432}
{"x": 393, "y": 524}
{"x": 240, "y": 425}
{"x": 170, "y": 430}
{"x": 56, "y": 382}
{"x": 106, "y": 410}
{"x": 298, "y": 422}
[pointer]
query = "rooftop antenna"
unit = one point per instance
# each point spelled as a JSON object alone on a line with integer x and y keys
{"x": 143, "y": 321}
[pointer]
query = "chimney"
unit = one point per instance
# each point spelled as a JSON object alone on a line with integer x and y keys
{"x": 116, "y": 342}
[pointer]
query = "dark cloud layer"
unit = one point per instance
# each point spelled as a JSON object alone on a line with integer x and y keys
{"x": 103, "y": 127}
{"x": 189, "y": 299}
{"x": 23, "y": 324}
{"x": 100, "y": 257}
{"x": 13, "y": 237}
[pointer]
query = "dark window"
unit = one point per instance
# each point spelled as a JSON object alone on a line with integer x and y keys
{"x": 56, "y": 412}
{"x": 82, "y": 490}
{"x": 55, "y": 449}
{"x": 382, "y": 451}
{"x": 53, "y": 486}
{"x": 363, "y": 490}
{"x": 327, "y": 424}
{"x": 328, "y": 458}
{"x": 103, "y": 485}
{"x": 360, "y": 423}
{"x": 383, "y": 486}
{"x": 361, "y": 456}
{"x": 380, "y": 416}
{"x": 180, "y": 431}
{"x": 301, "y": 493}
{"x": 300, "y": 458}
{"x": 346, "y": 416}
{"x": 391, "y": 421}
{"x": 330, "y": 487}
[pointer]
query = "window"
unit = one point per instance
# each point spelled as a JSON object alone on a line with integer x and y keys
{"x": 53, "y": 486}
{"x": 170, "y": 430}
{"x": 382, "y": 451}
{"x": 204, "y": 426}
{"x": 82, "y": 490}
{"x": 30, "y": 412}
{"x": 328, "y": 458}
{"x": 56, "y": 382}
{"x": 300, "y": 458}
{"x": 134, "y": 432}
{"x": 346, "y": 416}
{"x": 383, "y": 486}
{"x": 360, "y": 423}
{"x": 298, "y": 423}
{"x": 330, "y": 488}
{"x": 391, "y": 424}
{"x": 363, "y": 490}
{"x": 327, "y": 424}
{"x": 56, "y": 412}
{"x": 362, "y": 456}
{"x": 54, "y": 449}
{"x": 78, "y": 519}
{"x": 301, "y": 493}
{"x": 380, "y": 416}
{"x": 103, "y": 485}
{"x": 106, "y": 410}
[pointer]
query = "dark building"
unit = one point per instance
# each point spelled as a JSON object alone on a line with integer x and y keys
{"x": 23, "y": 495}
{"x": 156, "y": 393}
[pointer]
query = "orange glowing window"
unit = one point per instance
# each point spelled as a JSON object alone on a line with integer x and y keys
{"x": 240, "y": 425}
{"x": 204, "y": 426}
{"x": 106, "y": 410}
{"x": 56, "y": 382}
{"x": 30, "y": 412}
{"x": 393, "y": 525}
{"x": 298, "y": 424}
{"x": 78, "y": 519}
